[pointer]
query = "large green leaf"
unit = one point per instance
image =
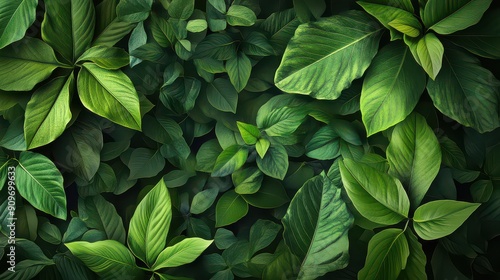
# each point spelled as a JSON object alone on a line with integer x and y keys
{"x": 181, "y": 9}
{"x": 106, "y": 57}
{"x": 229, "y": 209}
{"x": 230, "y": 160}
{"x": 222, "y": 95}
{"x": 109, "y": 94}
{"x": 376, "y": 195}
{"x": 429, "y": 51}
{"x": 39, "y": 181}
{"x": 449, "y": 16}
{"x": 238, "y": 15}
{"x": 324, "y": 144}
{"x": 324, "y": 72}
{"x": 48, "y": 112}
{"x": 181, "y": 253}
{"x": 414, "y": 156}
{"x": 391, "y": 88}
{"x": 150, "y": 223}
{"x": 16, "y": 17}
{"x": 281, "y": 27}
{"x": 415, "y": 264}
{"x": 275, "y": 162}
{"x": 316, "y": 226}
{"x": 68, "y": 26}
{"x": 440, "y": 218}
{"x": 239, "y": 68}
{"x": 25, "y": 64}
{"x": 466, "y": 92}
{"x": 109, "y": 27}
{"x": 108, "y": 258}
{"x": 388, "y": 253}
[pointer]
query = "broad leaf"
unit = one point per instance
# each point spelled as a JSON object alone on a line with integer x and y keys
{"x": 376, "y": 195}
{"x": 249, "y": 132}
{"x": 281, "y": 27}
{"x": 247, "y": 180}
{"x": 145, "y": 163}
{"x": 222, "y": 95}
{"x": 239, "y": 68}
{"x": 238, "y": 15}
{"x": 181, "y": 9}
{"x": 275, "y": 162}
{"x": 203, "y": 200}
{"x": 39, "y": 181}
{"x": 230, "y": 160}
{"x": 429, "y": 52}
{"x": 181, "y": 253}
{"x": 105, "y": 57}
{"x": 230, "y": 208}
{"x": 324, "y": 72}
{"x": 109, "y": 94}
{"x": 262, "y": 233}
{"x": 440, "y": 218}
{"x": 133, "y": 10}
{"x": 109, "y": 259}
{"x": 16, "y": 17}
{"x": 256, "y": 43}
{"x": 309, "y": 10}
{"x": 324, "y": 144}
{"x": 466, "y": 92}
{"x": 414, "y": 156}
{"x": 391, "y": 89}
{"x": 271, "y": 194}
{"x": 316, "y": 227}
{"x": 150, "y": 224}
{"x": 415, "y": 264}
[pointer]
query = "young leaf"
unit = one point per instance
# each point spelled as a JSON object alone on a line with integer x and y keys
{"x": 39, "y": 181}
{"x": 316, "y": 226}
{"x": 239, "y": 69}
{"x": 341, "y": 36}
{"x": 440, "y": 218}
{"x": 196, "y": 25}
{"x": 430, "y": 54}
{"x": 17, "y": 17}
{"x": 230, "y": 160}
{"x": 150, "y": 224}
{"x": 262, "y": 146}
{"x": 275, "y": 162}
{"x": 238, "y": 15}
{"x": 250, "y": 133}
{"x": 181, "y": 253}
{"x": 405, "y": 27}
{"x": 222, "y": 95}
{"x": 388, "y": 253}
{"x": 230, "y": 208}
{"x": 376, "y": 195}
{"x": 108, "y": 258}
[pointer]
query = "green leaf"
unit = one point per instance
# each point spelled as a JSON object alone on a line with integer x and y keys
{"x": 207, "y": 156}
{"x": 466, "y": 92}
{"x": 388, "y": 253}
{"x": 415, "y": 264}
{"x": 316, "y": 228}
{"x": 26, "y": 269}
{"x": 100, "y": 214}
{"x": 133, "y": 10}
{"x": 181, "y": 253}
{"x": 262, "y": 234}
{"x": 145, "y": 163}
{"x": 180, "y": 96}
{"x": 376, "y": 195}
{"x": 222, "y": 95}
{"x": 247, "y": 180}
{"x": 150, "y": 224}
{"x": 106, "y": 57}
{"x": 108, "y": 258}
{"x": 238, "y": 15}
{"x": 230, "y": 208}
{"x": 446, "y": 17}
{"x": 109, "y": 94}
{"x": 481, "y": 190}
{"x": 68, "y": 26}
{"x": 25, "y": 64}
{"x": 17, "y": 17}
{"x": 239, "y": 69}
{"x": 309, "y": 10}
{"x": 203, "y": 200}
{"x": 50, "y": 233}
{"x": 281, "y": 27}
{"x": 181, "y": 9}
{"x": 281, "y": 121}
{"x": 275, "y": 162}
{"x": 103, "y": 181}
{"x": 323, "y": 73}
{"x": 271, "y": 194}
{"x": 48, "y": 112}
{"x": 414, "y": 156}
{"x": 262, "y": 146}
{"x": 39, "y": 181}
{"x": 407, "y": 28}
{"x": 197, "y": 25}
{"x": 230, "y": 160}
{"x": 71, "y": 267}
{"x": 249, "y": 132}
{"x": 324, "y": 144}
{"x": 224, "y": 238}
{"x": 440, "y": 218}
{"x": 391, "y": 89}
{"x": 218, "y": 46}
{"x": 257, "y": 44}
{"x": 109, "y": 28}
{"x": 284, "y": 265}
{"x": 430, "y": 54}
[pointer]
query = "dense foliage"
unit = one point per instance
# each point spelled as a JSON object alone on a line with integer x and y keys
{"x": 223, "y": 139}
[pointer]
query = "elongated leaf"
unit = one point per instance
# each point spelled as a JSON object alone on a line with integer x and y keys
{"x": 247, "y": 180}
{"x": 466, "y": 92}
{"x": 16, "y": 17}
{"x": 324, "y": 72}
{"x": 440, "y": 218}
{"x": 309, "y": 10}
{"x": 376, "y": 195}
{"x": 275, "y": 162}
{"x": 133, "y": 10}
{"x": 388, "y": 253}
{"x": 446, "y": 17}
{"x": 415, "y": 265}
{"x": 109, "y": 94}
{"x": 105, "y": 57}
{"x": 108, "y": 258}
{"x": 181, "y": 9}
{"x": 430, "y": 54}
{"x": 230, "y": 160}
{"x": 316, "y": 226}
{"x": 25, "y": 64}
{"x": 414, "y": 156}
{"x": 26, "y": 269}
{"x": 68, "y": 26}
{"x": 391, "y": 89}
{"x": 222, "y": 95}
{"x": 150, "y": 224}
{"x": 281, "y": 27}
{"x": 181, "y": 253}
{"x": 250, "y": 133}
{"x": 256, "y": 43}
{"x": 239, "y": 69}
{"x": 324, "y": 144}
{"x": 48, "y": 112}
{"x": 203, "y": 200}
{"x": 229, "y": 209}
{"x": 145, "y": 163}
{"x": 41, "y": 184}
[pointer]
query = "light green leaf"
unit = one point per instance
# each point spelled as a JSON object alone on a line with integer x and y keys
{"x": 316, "y": 228}
{"x": 446, "y": 17}
{"x": 181, "y": 9}
{"x": 106, "y": 57}
{"x": 275, "y": 162}
{"x": 109, "y": 94}
{"x": 203, "y": 200}
{"x": 239, "y": 69}
{"x": 309, "y": 10}
{"x": 440, "y": 218}
{"x": 247, "y": 180}
{"x": 39, "y": 181}
{"x": 25, "y": 64}
{"x": 238, "y": 15}
{"x": 48, "y": 112}
{"x": 97, "y": 213}
{"x": 376, "y": 195}
{"x": 230, "y": 208}
{"x": 324, "y": 144}
{"x": 414, "y": 156}
{"x": 181, "y": 253}
{"x": 108, "y": 258}
{"x": 466, "y": 92}
{"x": 16, "y": 17}
{"x": 68, "y": 26}
{"x": 133, "y": 10}
{"x": 230, "y": 160}
{"x": 150, "y": 224}
{"x": 249, "y": 132}
{"x": 405, "y": 28}
{"x": 430, "y": 54}
{"x": 281, "y": 121}
{"x": 262, "y": 146}
{"x": 388, "y": 253}
{"x": 415, "y": 264}
{"x": 197, "y": 25}
{"x": 222, "y": 95}
{"x": 324, "y": 72}
{"x": 145, "y": 163}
